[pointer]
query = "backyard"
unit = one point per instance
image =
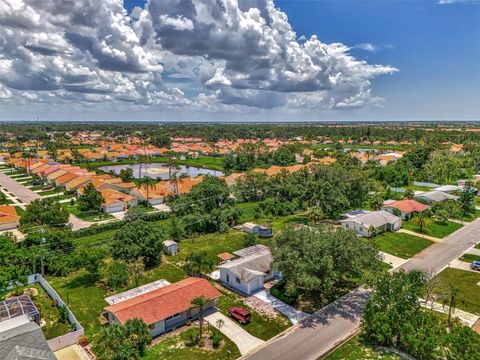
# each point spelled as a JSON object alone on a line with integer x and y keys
{"x": 466, "y": 282}
{"x": 87, "y": 215}
{"x": 435, "y": 229}
{"x": 401, "y": 244}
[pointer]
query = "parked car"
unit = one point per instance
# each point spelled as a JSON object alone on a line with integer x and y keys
{"x": 475, "y": 265}
{"x": 37, "y": 182}
{"x": 239, "y": 314}
{"x": 48, "y": 187}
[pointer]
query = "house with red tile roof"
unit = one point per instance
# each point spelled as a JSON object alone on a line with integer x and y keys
{"x": 9, "y": 218}
{"x": 165, "y": 308}
{"x": 404, "y": 208}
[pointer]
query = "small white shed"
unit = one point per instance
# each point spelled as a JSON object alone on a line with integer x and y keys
{"x": 170, "y": 247}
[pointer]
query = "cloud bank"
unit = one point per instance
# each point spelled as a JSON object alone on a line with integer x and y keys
{"x": 208, "y": 55}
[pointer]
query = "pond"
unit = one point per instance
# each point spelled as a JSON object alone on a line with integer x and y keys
{"x": 160, "y": 171}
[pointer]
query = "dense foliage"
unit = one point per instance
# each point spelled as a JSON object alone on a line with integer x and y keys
{"x": 44, "y": 212}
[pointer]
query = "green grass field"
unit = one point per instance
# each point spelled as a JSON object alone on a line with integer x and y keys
{"x": 468, "y": 298}
{"x": 435, "y": 229}
{"x": 175, "y": 347}
{"x": 470, "y": 258}
{"x": 401, "y": 244}
{"x": 359, "y": 349}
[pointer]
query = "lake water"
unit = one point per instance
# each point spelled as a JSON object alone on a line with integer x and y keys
{"x": 160, "y": 171}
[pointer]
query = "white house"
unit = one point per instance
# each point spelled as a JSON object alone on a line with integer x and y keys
{"x": 249, "y": 272}
{"x": 170, "y": 247}
{"x": 433, "y": 197}
{"x": 372, "y": 223}
{"x": 164, "y": 308}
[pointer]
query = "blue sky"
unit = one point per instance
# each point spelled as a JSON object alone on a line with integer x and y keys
{"x": 164, "y": 62}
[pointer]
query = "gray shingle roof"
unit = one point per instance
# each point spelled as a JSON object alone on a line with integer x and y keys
{"x": 24, "y": 342}
{"x": 374, "y": 218}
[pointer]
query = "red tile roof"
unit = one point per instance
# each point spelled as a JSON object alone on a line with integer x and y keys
{"x": 407, "y": 206}
{"x": 159, "y": 304}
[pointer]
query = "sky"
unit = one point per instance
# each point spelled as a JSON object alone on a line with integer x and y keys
{"x": 239, "y": 60}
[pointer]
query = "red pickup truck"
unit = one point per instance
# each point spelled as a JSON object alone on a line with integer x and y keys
{"x": 239, "y": 314}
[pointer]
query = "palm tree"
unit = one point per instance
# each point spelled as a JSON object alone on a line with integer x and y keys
{"x": 200, "y": 302}
{"x": 198, "y": 262}
{"x": 315, "y": 214}
{"x": 422, "y": 221}
{"x": 149, "y": 184}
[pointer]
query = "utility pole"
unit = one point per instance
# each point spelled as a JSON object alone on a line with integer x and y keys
{"x": 43, "y": 241}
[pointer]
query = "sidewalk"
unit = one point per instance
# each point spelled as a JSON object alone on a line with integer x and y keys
{"x": 465, "y": 317}
{"x": 392, "y": 260}
{"x": 474, "y": 251}
{"x": 461, "y": 265}
{"x": 431, "y": 238}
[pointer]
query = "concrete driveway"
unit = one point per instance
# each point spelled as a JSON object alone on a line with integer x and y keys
{"x": 244, "y": 341}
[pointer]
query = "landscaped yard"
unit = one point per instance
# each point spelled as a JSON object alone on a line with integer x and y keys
{"x": 48, "y": 192}
{"x": 87, "y": 215}
{"x": 401, "y": 244}
{"x": 20, "y": 211}
{"x": 359, "y": 349}
{"x": 468, "y": 298}
{"x": 435, "y": 229}
{"x": 174, "y": 347}
{"x": 470, "y": 258}
{"x": 261, "y": 326}
{"x": 470, "y": 217}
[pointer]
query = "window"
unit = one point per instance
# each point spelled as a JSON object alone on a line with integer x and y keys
{"x": 237, "y": 280}
{"x": 173, "y": 316}
{"x": 228, "y": 278}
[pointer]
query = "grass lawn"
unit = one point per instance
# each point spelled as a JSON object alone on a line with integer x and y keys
{"x": 261, "y": 326}
{"x": 48, "y": 192}
{"x": 87, "y": 215}
{"x": 469, "y": 292}
{"x": 86, "y": 299}
{"x": 435, "y": 229}
{"x": 401, "y": 244}
{"x": 50, "y": 314}
{"x": 174, "y": 348}
{"x": 359, "y": 349}
{"x": 20, "y": 211}
{"x": 470, "y": 258}
{"x": 36, "y": 187}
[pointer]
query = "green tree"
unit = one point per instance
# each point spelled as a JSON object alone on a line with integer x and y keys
{"x": 92, "y": 260}
{"x": 376, "y": 201}
{"x": 127, "y": 175}
{"x": 138, "y": 335}
{"x": 149, "y": 184}
{"x": 320, "y": 261}
{"x": 177, "y": 230}
{"x": 393, "y": 302}
{"x": 198, "y": 262}
{"x": 408, "y": 194}
{"x": 91, "y": 199}
{"x": 138, "y": 239}
{"x": 136, "y": 269}
{"x": 43, "y": 212}
{"x": 117, "y": 274}
{"x": 315, "y": 214}
{"x": 422, "y": 220}
{"x": 250, "y": 240}
{"x": 467, "y": 195}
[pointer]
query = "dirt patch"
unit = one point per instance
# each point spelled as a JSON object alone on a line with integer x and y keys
{"x": 261, "y": 307}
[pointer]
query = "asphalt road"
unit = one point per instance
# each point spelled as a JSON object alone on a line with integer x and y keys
{"x": 435, "y": 258}
{"x": 20, "y": 191}
{"x": 318, "y": 334}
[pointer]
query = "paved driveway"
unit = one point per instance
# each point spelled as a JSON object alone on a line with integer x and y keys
{"x": 244, "y": 341}
{"x": 289, "y": 311}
